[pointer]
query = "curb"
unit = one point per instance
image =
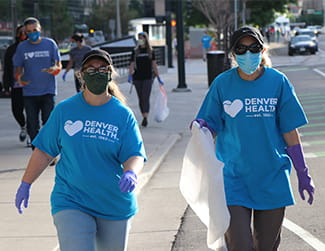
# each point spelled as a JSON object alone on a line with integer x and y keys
{"x": 155, "y": 161}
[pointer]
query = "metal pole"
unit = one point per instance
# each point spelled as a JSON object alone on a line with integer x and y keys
{"x": 169, "y": 39}
{"x": 323, "y": 12}
{"x": 13, "y": 17}
{"x": 244, "y": 13}
{"x": 235, "y": 14}
{"x": 118, "y": 20}
{"x": 180, "y": 48}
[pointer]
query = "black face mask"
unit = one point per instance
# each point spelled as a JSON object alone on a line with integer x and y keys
{"x": 97, "y": 82}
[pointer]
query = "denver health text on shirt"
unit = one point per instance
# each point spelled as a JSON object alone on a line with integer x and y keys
{"x": 253, "y": 107}
{"x": 92, "y": 129}
{"x": 36, "y": 54}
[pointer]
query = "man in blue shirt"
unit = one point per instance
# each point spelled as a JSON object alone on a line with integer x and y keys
{"x": 206, "y": 45}
{"x": 36, "y": 62}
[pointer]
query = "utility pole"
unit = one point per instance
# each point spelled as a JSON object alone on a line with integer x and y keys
{"x": 118, "y": 20}
{"x": 182, "y": 87}
{"x": 169, "y": 39}
{"x": 235, "y": 14}
{"x": 244, "y": 13}
{"x": 323, "y": 12}
{"x": 13, "y": 17}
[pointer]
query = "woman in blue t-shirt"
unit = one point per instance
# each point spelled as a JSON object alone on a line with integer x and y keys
{"x": 255, "y": 113}
{"x": 101, "y": 153}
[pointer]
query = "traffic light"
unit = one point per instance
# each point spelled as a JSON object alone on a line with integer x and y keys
{"x": 173, "y": 23}
{"x": 188, "y": 8}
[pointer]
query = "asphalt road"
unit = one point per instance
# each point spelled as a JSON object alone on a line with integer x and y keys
{"x": 304, "y": 225}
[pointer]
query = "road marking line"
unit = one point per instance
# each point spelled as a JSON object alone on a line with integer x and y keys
{"x": 304, "y": 235}
{"x": 312, "y": 106}
{"x": 316, "y": 118}
{"x": 311, "y": 101}
{"x": 314, "y": 125}
{"x": 312, "y": 143}
{"x": 311, "y": 94}
{"x": 303, "y": 134}
{"x": 295, "y": 69}
{"x": 310, "y": 155}
{"x": 319, "y": 72}
{"x": 315, "y": 112}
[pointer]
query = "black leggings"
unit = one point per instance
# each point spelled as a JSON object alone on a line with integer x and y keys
{"x": 77, "y": 83}
{"x": 143, "y": 88}
{"x": 17, "y": 106}
{"x": 265, "y": 235}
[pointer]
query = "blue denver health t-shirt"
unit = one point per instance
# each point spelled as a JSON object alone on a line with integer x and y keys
{"x": 250, "y": 118}
{"x": 34, "y": 58}
{"x": 93, "y": 142}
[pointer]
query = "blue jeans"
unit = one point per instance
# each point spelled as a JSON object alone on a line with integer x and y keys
{"x": 34, "y": 106}
{"x": 79, "y": 231}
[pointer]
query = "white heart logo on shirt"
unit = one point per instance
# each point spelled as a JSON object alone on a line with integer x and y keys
{"x": 30, "y": 54}
{"x": 72, "y": 128}
{"x": 233, "y": 108}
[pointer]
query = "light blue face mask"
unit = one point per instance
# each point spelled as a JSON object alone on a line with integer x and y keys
{"x": 34, "y": 36}
{"x": 249, "y": 62}
{"x": 74, "y": 45}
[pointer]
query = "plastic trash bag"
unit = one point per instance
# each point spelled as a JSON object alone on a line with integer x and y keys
{"x": 161, "y": 110}
{"x": 202, "y": 186}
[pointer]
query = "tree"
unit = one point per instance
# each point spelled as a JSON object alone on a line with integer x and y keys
{"x": 62, "y": 23}
{"x": 262, "y": 12}
{"x": 220, "y": 15}
{"x": 102, "y": 13}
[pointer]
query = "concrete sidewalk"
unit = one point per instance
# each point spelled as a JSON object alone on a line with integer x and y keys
{"x": 161, "y": 209}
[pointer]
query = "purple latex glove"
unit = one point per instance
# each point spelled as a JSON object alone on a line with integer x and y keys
{"x": 130, "y": 78}
{"x": 202, "y": 123}
{"x": 128, "y": 181}
{"x": 22, "y": 195}
{"x": 160, "y": 81}
{"x": 305, "y": 181}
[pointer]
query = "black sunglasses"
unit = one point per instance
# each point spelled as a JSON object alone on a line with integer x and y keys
{"x": 242, "y": 49}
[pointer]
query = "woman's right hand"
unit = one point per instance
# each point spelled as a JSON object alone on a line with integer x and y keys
{"x": 130, "y": 78}
{"x": 22, "y": 195}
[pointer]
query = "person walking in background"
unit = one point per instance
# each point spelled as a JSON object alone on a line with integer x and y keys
{"x": 255, "y": 113}
{"x": 142, "y": 71}
{"x": 206, "y": 45}
{"x": 36, "y": 62}
{"x": 76, "y": 54}
{"x": 12, "y": 87}
{"x": 102, "y": 153}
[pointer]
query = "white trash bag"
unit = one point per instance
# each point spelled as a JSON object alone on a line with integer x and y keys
{"x": 160, "y": 109}
{"x": 202, "y": 185}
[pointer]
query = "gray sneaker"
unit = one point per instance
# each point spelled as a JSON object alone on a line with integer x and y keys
{"x": 22, "y": 134}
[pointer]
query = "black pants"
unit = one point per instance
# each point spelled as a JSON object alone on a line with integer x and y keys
{"x": 77, "y": 83}
{"x": 36, "y": 106}
{"x": 266, "y": 229}
{"x": 17, "y": 106}
{"x": 143, "y": 88}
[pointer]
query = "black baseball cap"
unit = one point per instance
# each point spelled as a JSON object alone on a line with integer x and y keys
{"x": 101, "y": 54}
{"x": 243, "y": 32}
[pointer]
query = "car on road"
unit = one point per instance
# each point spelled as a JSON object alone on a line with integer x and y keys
{"x": 306, "y": 31}
{"x": 302, "y": 44}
